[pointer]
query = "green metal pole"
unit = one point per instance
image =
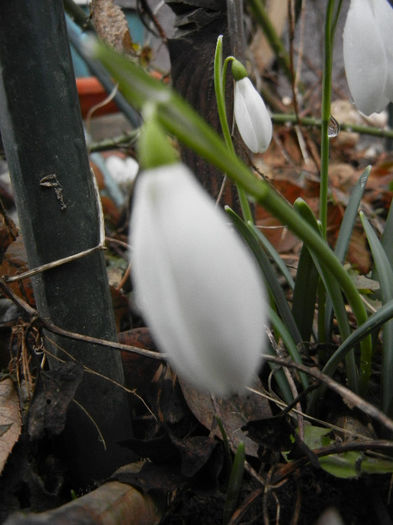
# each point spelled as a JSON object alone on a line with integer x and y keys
{"x": 43, "y": 139}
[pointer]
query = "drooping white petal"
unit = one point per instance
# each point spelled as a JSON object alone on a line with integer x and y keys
{"x": 196, "y": 283}
{"x": 364, "y": 58}
{"x": 251, "y": 116}
{"x": 383, "y": 13}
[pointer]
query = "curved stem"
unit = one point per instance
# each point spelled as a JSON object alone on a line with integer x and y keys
{"x": 220, "y": 71}
{"x": 219, "y": 86}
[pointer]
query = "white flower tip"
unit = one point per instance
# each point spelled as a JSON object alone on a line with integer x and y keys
{"x": 368, "y": 58}
{"x": 252, "y": 117}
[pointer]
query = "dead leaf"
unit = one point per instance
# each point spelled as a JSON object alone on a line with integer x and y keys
{"x": 8, "y": 232}
{"x": 195, "y": 453}
{"x": 54, "y": 392}
{"x": 14, "y": 263}
{"x": 190, "y": 454}
{"x": 111, "y": 26}
{"x": 234, "y": 412}
{"x": 358, "y": 252}
{"x": 10, "y": 420}
{"x": 150, "y": 477}
{"x": 280, "y": 237}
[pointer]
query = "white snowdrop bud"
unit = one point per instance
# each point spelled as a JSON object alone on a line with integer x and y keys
{"x": 196, "y": 283}
{"x": 251, "y": 115}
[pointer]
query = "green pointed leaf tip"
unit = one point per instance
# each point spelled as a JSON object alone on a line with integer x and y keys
{"x": 238, "y": 70}
{"x": 154, "y": 148}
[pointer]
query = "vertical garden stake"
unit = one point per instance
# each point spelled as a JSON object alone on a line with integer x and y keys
{"x": 55, "y": 197}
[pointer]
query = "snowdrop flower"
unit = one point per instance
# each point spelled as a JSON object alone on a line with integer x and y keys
{"x": 123, "y": 170}
{"x": 368, "y": 54}
{"x": 251, "y": 116}
{"x": 196, "y": 283}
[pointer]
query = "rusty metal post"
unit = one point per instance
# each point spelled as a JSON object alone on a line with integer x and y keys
{"x": 45, "y": 148}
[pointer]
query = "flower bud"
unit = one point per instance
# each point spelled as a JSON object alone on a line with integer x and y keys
{"x": 251, "y": 116}
{"x": 368, "y": 54}
{"x": 196, "y": 283}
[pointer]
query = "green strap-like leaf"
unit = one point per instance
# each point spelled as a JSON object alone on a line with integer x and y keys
{"x": 271, "y": 280}
{"x": 346, "y": 229}
{"x": 375, "y": 321}
{"x": 274, "y": 255}
{"x": 335, "y": 295}
{"x": 385, "y": 277}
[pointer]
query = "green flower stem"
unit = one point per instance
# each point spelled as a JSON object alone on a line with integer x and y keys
{"x": 326, "y": 97}
{"x": 290, "y": 118}
{"x": 336, "y": 16}
{"x": 220, "y": 70}
{"x": 219, "y": 87}
{"x": 178, "y": 118}
{"x": 234, "y": 483}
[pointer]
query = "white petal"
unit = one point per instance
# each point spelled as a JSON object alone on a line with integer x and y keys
{"x": 383, "y": 12}
{"x": 251, "y": 116}
{"x": 197, "y": 285}
{"x": 364, "y": 58}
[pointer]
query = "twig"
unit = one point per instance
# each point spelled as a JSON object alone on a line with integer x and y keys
{"x": 145, "y": 7}
{"x": 363, "y": 446}
{"x": 72, "y": 335}
{"x": 277, "y": 118}
{"x": 291, "y": 23}
{"x": 344, "y": 392}
{"x": 49, "y": 266}
{"x": 94, "y": 372}
{"x": 101, "y": 342}
{"x": 122, "y": 140}
{"x": 292, "y": 387}
{"x": 100, "y": 105}
{"x": 78, "y": 15}
{"x": 100, "y": 435}
{"x": 289, "y": 118}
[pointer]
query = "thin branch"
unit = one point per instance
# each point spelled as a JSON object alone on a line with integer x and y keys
{"x": 49, "y": 266}
{"x": 116, "y": 142}
{"x": 89, "y": 416}
{"x": 94, "y": 372}
{"x": 288, "y": 118}
{"x": 343, "y": 391}
{"x": 48, "y": 325}
{"x": 278, "y": 118}
{"x": 101, "y": 342}
{"x": 362, "y": 446}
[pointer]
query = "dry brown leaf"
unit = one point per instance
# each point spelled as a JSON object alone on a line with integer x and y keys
{"x": 358, "y": 252}
{"x": 14, "y": 263}
{"x": 8, "y": 233}
{"x": 234, "y": 413}
{"x": 10, "y": 420}
{"x": 111, "y": 25}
